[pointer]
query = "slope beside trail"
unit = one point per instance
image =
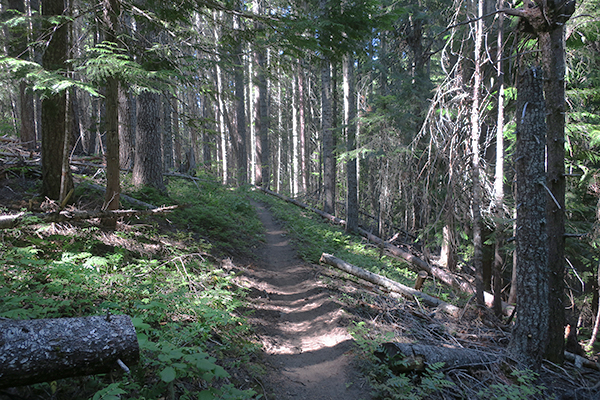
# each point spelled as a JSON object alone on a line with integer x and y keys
{"x": 301, "y": 325}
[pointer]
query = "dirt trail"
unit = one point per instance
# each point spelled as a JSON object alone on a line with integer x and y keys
{"x": 301, "y": 325}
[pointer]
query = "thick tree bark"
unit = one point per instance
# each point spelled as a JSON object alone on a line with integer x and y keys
{"x": 147, "y": 169}
{"x": 547, "y": 19}
{"x": 33, "y": 351}
{"x": 499, "y": 171}
{"x": 389, "y": 284}
{"x": 530, "y": 335}
{"x": 54, "y": 109}
{"x": 126, "y": 136}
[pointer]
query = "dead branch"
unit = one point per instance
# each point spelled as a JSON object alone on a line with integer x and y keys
{"x": 389, "y": 284}
{"x": 11, "y": 221}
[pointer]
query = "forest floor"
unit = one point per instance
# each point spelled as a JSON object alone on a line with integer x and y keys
{"x": 300, "y": 323}
{"x": 302, "y": 315}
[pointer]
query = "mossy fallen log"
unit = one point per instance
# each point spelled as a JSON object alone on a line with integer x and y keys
{"x": 42, "y": 350}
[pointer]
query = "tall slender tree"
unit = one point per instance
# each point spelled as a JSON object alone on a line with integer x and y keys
{"x": 110, "y": 18}
{"x": 350, "y": 127}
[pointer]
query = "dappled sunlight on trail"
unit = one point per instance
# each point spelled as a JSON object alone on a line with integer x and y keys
{"x": 300, "y": 324}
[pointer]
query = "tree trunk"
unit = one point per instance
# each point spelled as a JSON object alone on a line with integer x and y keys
{"x": 17, "y": 47}
{"x": 240, "y": 133}
{"x": 111, "y": 13}
{"x": 126, "y": 147}
{"x": 475, "y": 160}
{"x": 350, "y": 124}
{"x": 168, "y": 133}
{"x": 328, "y": 140}
{"x": 147, "y": 169}
{"x": 43, "y": 350}
{"x": 499, "y": 172}
{"x": 264, "y": 157}
{"x": 553, "y": 56}
{"x": 530, "y": 335}
{"x": 54, "y": 111}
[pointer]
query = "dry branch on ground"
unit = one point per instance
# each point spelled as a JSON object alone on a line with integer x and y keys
{"x": 11, "y": 221}
{"x": 390, "y": 284}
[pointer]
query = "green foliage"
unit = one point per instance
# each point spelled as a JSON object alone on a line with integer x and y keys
{"x": 183, "y": 306}
{"x": 44, "y": 82}
{"x": 523, "y": 388}
{"x": 216, "y": 212}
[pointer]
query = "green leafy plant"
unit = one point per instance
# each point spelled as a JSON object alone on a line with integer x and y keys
{"x": 523, "y": 388}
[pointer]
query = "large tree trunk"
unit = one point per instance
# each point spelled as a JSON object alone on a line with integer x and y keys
{"x": 126, "y": 135}
{"x": 547, "y": 19}
{"x": 147, "y": 169}
{"x": 529, "y": 337}
{"x": 42, "y": 350}
{"x": 54, "y": 109}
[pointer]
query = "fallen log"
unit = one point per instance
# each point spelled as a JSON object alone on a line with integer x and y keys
{"x": 42, "y": 350}
{"x": 406, "y": 357}
{"x": 11, "y": 221}
{"x": 130, "y": 199}
{"x": 444, "y": 276}
{"x": 390, "y": 284}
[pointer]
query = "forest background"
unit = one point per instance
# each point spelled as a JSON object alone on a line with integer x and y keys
{"x": 400, "y": 117}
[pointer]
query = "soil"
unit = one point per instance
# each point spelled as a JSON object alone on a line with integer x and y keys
{"x": 301, "y": 324}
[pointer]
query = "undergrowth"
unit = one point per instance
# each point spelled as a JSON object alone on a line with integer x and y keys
{"x": 182, "y": 301}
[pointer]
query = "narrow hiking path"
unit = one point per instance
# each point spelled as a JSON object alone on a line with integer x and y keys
{"x": 301, "y": 325}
